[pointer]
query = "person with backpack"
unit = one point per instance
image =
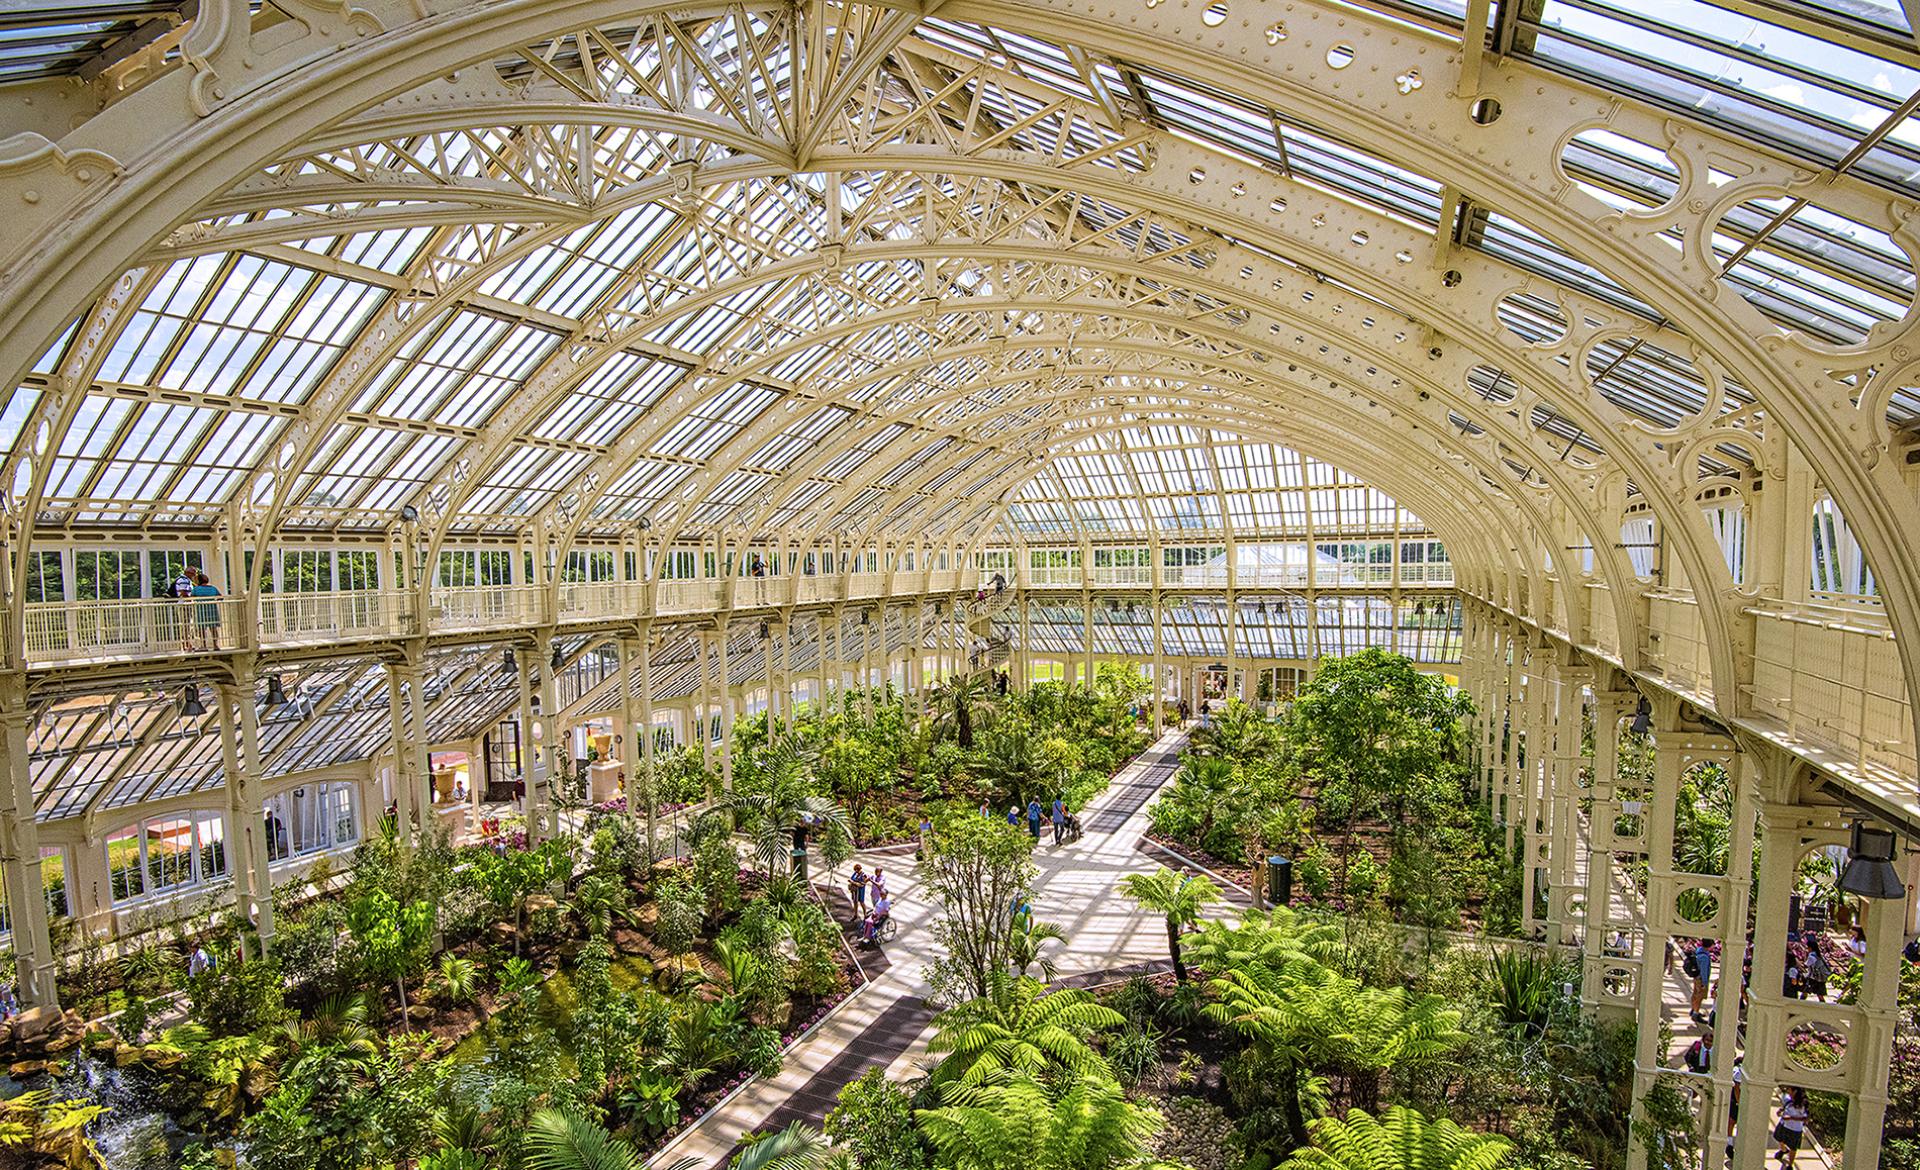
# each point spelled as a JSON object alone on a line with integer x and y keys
{"x": 1702, "y": 956}
{"x": 179, "y": 623}
{"x": 1699, "y": 1054}
{"x": 1816, "y": 972}
{"x": 1792, "y": 1126}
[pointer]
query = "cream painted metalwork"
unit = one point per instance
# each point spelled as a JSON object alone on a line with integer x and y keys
{"x": 602, "y": 329}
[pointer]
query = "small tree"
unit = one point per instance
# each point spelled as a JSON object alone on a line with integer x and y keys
{"x": 391, "y": 938}
{"x": 978, "y": 869}
{"x": 1179, "y": 896}
{"x": 1381, "y": 737}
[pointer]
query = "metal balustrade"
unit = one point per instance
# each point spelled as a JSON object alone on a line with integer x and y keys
{"x": 288, "y": 619}
{"x": 142, "y": 627}
{"x": 815, "y": 590}
{"x": 591, "y": 601}
{"x": 493, "y": 607}
{"x": 1831, "y": 675}
{"x": 69, "y": 633}
{"x": 762, "y": 592}
{"x": 1674, "y": 644}
{"x": 680, "y": 597}
{"x": 1194, "y": 577}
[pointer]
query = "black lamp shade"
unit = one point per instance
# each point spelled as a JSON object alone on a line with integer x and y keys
{"x": 1642, "y": 717}
{"x": 190, "y": 704}
{"x": 1870, "y": 872}
{"x": 559, "y": 659}
{"x": 276, "y": 693}
{"x": 510, "y": 664}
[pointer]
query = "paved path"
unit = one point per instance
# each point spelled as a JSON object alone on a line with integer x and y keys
{"x": 886, "y": 1024}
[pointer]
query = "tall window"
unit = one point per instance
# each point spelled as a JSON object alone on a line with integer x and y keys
{"x": 312, "y": 818}
{"x": 106, "y": 575}
{"x": 357, "y": 570}
{"x": 159, "y": 855}
{"x": 46, "y": 578}
{"x": 53, "y": 881}
{"x": 1839, "y": 563}
{"x": 306, "y": 571}
{"x": 164, "y": 567}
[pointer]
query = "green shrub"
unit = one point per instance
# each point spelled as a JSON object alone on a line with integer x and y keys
{"x": 1134, "y": 1053}
{"x": 238, "y": 998}
{"x": 716, "y": 870}
{"x": 682, "y": 909}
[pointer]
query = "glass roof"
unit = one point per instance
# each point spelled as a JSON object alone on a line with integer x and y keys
{"x": 741, "y": 384}
{"x": 244, "y": 333}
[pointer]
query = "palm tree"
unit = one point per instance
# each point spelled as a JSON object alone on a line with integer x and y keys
{"x": 1011, "y": 763}
{"x": 1019, "y": 1027}
{"x": 1236, "y": 733}
{"x": 961, "y": 701}
{"x": 1089, "y": 1125}
{"x": 1402, "y": 1138}
{"x": 338, "y": 1027}
{"x": 1023, "y": 949}
{"x": 1179, "y": 896}
{"x": 563, "y": 1140}
{"x": 788, "y": 802}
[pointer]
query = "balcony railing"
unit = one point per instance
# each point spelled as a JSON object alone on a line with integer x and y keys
{"x": 78, "y": 632}
{"x": 294, "y": 618}
{"x": 761, "y": 592}
{"x": 102, "y": 631}
{"x": 485, "y": 607}
{"x": 676, "y": 597}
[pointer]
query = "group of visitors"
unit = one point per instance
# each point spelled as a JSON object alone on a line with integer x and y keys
{"x": 859, "y": 884}
{"x": 205, "y": 623}
{"x": 1805, "y": 975}
{"x": 1066, "y": 826}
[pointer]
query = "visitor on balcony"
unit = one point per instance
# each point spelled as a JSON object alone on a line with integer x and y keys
{"x": 179, "y": 623}
{"x": 758, "y": 568}
{"x": 206, "y": 615}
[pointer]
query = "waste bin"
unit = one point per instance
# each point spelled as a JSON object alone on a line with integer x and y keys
{"x": 1280, "y": 881}
{"x": 799, "y": 858}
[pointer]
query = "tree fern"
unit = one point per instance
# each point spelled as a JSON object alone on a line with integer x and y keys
{"x": 1019, "y": 1122}
{"x": 798, "y": 1147}
{"x": 1018, "y": 1027}
{"x": 1401, "y": 1139}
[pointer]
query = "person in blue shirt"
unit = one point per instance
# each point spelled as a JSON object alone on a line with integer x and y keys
{"x": 1702, "y": 976}
{"x": 1059, "y": 819}
{"x": 1033, "y": 817}
{"x": 206, "y": 613}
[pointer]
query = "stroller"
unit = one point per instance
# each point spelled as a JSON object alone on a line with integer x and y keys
{"x": 1073, "y": 827}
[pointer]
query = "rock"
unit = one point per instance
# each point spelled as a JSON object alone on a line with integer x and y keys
{"x": 63, "y": 1043}
{"x": 21, "y": 1069}
{"x": 126, "y": 1054}
{"x": 35, "y": 1025}
{"x": 419, "y": 1013}
{"x": 538, "y": 902}
{"x": 161, "y": 1058}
